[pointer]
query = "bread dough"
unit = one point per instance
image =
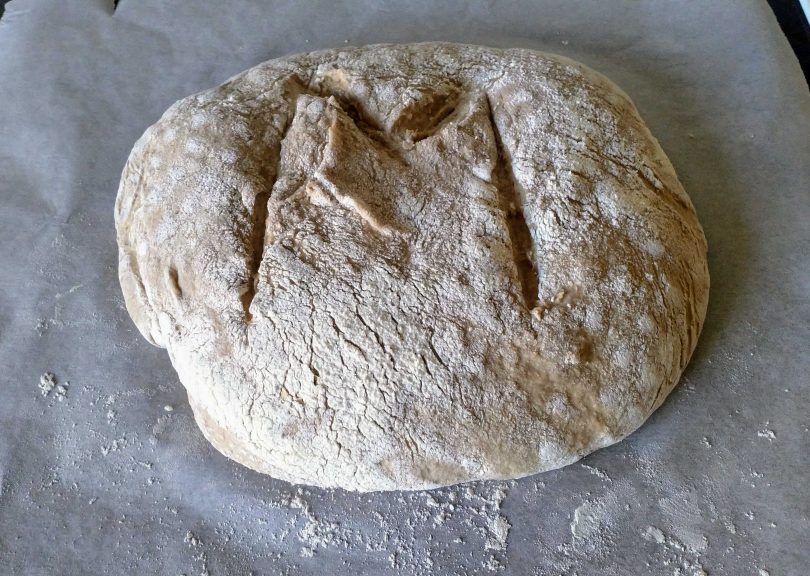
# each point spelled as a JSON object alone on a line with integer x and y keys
{"x": 407, "y": 266}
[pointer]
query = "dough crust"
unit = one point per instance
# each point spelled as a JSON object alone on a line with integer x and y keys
{"x": 407, "y": 266}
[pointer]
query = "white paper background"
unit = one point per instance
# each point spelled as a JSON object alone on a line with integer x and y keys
{"x": 106, "y": 481}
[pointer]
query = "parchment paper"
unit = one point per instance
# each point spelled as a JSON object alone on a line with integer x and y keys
{"x": 100, "y": 477}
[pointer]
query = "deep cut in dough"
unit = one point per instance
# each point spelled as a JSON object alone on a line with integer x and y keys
{"x": 407, "y": 266}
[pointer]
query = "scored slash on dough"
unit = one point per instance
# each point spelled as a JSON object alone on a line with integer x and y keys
{"x": 523, "y": 249}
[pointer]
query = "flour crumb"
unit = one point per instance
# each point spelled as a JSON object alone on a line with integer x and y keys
{"x": 499, "y": 528}
{"x": 596, "y": 472}
{"x": 168, "y": 408}
{"x": 730, "y": 526}
{"x": 115, "y": 445}
{"x": 61, "y": 391}
{"x": 493, "y": 564}
{"x": 763, "y": 572}
{"x": 706, "y": 442}
{"x": 653, "y": 534}
{"x": 443, "y": 509}
{"x": 767, "y": 433}
{"x": 307, "y": 552}
{"x": 46, "y": 383}
{"x": 191, "y": 539}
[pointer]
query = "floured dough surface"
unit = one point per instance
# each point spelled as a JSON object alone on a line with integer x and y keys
{"x": 401, "y": 267}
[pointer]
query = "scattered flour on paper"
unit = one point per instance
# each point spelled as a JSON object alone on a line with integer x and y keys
{"x": 589, "y": 523}
{"x": 55, "y": 318}
{"x": 414, "y": 534}
{"x": 684, "y": 560}
{"x": 201, "y": 556}
{"x": 683, "y": 512}
{"x": 317, "y": 533}
{"x": 477, "y": 509}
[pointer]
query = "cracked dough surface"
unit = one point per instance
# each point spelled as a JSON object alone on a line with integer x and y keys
{"x": 407, "y": 266}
